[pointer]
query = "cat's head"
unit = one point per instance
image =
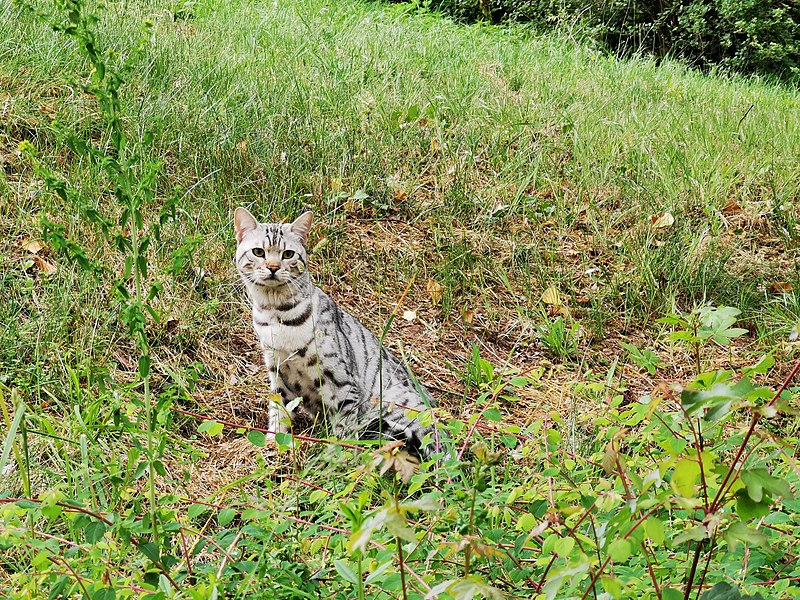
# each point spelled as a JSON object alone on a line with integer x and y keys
{"x": 270, "y": 255}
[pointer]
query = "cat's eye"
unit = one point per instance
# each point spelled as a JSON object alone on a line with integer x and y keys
{"x": 258, "y": 252}
{"x": 287, "y": 254}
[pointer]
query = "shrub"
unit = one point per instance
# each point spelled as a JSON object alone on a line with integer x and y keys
{"x": 746, "y": 36}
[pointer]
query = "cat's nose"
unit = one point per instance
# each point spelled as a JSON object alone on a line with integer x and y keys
{"x": 272, "y": 266}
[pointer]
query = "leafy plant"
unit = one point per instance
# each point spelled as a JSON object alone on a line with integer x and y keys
{"x": 704, "y": 325}
{"x": 558, "y": 338}
{"x": 645, "y": 358}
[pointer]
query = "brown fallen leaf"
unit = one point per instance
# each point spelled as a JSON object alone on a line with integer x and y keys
{"x": 32, "y": 246}
{"x": 731, "y": 208}
{"x": 467, "y": 316}
{"x": 44, "y": 266}
{"x": 780, "y": 287}
{"x": 435, "y": 291}
{"x": 662, "y": 221}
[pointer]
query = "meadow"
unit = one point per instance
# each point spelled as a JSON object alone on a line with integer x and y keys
{"x": 590, "y": 262}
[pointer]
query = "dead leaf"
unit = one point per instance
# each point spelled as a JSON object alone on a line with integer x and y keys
{"x": 552, "y": 297}
{"x": 436, "y": 147}
{"x": 32, "y": 246}
{"x": 435, "y": 291}
{"x": 409, "y": 315}
{"x": 242, "y": 146}
{"x": 662, "y": 221}
{"x": 795, "y": 334}
{"x": 467, "y": 316}
{"x": 731, "y": 208}
{"x": 780, "y": 287}
{"x": 583, "y": 300}
{"x": 44, "y": 266}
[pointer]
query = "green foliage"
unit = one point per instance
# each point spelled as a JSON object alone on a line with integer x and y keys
{"x": 702, "y": 326}
{"x": 559, "y": 338}
{"x": 745, "y": 36}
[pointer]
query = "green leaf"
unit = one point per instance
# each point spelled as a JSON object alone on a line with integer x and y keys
{"x": 724, "y": 591}
{"x": 654, "y": 529}
{"x": 619, "y": 550}
{"x": 563, "y": 547}
{"x": 150, "y": 550}
{"x": 345, "y": 571}
{"x": 195, "y": 510}
{"x": 739, "y": 532}
{"x": 685, "y": 477}
{"x": 671, "y": 594}
{"x": 211, "y": 427}
{"x": 95, "y": 531}
{"x": 748, "y": 509}
{"x": 284, "y": 440}
{"x": 225, "y": 516}
{"x": 257, "y": 438}
{"x": 518, "y": 382}
{"x": 758, "y": 480}
{"x": 492, "y": 414}
{"x": 694, "y": 534}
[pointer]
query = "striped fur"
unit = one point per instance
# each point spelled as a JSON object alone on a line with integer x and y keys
{"x": 315, "y": 350}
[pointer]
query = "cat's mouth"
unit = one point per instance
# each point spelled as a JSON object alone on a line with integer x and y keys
{"x": 269, "y": 280}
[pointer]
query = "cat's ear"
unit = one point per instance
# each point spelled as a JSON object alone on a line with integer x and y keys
{"x": 243, "y": 222}
{"x": 301, "y": 226}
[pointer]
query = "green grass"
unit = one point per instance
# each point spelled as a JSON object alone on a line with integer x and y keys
{"x": 492, "y": 161}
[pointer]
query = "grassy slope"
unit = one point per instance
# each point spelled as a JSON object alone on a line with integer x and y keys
{"x": 493, "y": 162}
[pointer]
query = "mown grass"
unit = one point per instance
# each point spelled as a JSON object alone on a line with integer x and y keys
{"x": 493, "y": 162}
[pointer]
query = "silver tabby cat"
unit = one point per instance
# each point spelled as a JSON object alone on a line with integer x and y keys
{"x": 316, "y": 351}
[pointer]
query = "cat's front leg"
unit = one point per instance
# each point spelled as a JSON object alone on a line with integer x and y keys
{"x": 278, "y": 417}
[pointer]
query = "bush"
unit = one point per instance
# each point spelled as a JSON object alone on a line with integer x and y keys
{"x": 746, "y": 36}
